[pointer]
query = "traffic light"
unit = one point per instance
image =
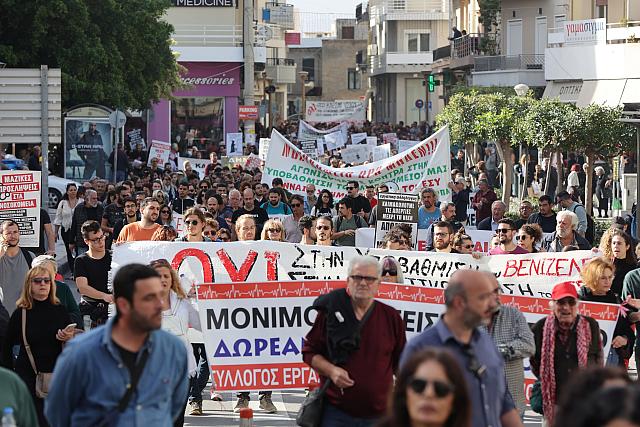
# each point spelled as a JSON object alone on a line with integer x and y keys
{"x": 432, "y": 83}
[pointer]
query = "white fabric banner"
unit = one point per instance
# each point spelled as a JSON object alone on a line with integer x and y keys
{"x": 336, "y": 111}
{"x": 197, "y": 165}
{"x": 481, "y": 239}
{"x": 425, "y": 165}
{"x": 307, "y": 132}
{"x": 159, "y": 150}
{"x": 253, "y": 332}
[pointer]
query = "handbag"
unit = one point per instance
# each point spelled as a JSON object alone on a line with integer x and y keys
{"x": 535, "y": 398}
{"x": 43, "y": 379}
{"x": 110, "y": 419}
{"x": 311, "y": 410}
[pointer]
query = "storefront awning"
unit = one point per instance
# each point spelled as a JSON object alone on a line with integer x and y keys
{"x": 603, "y": 92}
{"x": 565, "y": 91}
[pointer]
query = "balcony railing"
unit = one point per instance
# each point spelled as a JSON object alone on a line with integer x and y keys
{"x": 281, "y": 61}
{"x": 409, "y": 6}
{"x": 442, "y": 52}
{"x": 208, "y": 35}
{"x": 473, "y": 44}
{"x": 508, "y": 62}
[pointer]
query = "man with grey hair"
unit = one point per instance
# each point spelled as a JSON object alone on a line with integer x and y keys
{"x": 511, "y": 333}
{"x": 88, "y": 210}
{"x": 353, "y": 337}
{"x": 470, "y": 303}
{"x": 498, "y": 209}
{"x": 428, "y": 213}
{"x": 565, "y": 234}
{"x": 15, "y": 262}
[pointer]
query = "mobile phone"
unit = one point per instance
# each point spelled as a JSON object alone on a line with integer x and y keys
{"x": 70, "y": 326}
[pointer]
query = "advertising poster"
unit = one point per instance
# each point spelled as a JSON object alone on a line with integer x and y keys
{"x": 425, "y": 165}
{"x": 20, "y": 201}
{"x": 88, "y": 145}
{"x": 159, "y": 150}
{"x": 393, "y": 209}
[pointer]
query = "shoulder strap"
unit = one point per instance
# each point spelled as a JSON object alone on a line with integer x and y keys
{"x": 27, "y": 256}
{"x": 27, "y": 347}
{"x": 135, "y": 377}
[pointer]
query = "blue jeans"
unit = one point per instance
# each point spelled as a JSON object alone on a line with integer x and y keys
{"x": 334, "y": 417}
{"x": 198, "y": 382}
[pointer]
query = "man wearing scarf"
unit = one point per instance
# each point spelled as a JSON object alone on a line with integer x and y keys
{"x": 565, "y": 342}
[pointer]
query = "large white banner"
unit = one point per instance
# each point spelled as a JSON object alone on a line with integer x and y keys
{"x": 20, "y": 201}
{"x": 425, "y": 165}
{"x": 254, "y": 332}
{"x": 365, "y": 238}
{"x": 259, "y": 261}
{"x": 198, "y": 165}
{"x": 306, "y": 132}
{"x": 335, "y": 111}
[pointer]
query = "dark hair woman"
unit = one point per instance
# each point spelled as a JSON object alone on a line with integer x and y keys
{"x": 430, "y": 391}
{"x": 324, "y": 205}
{"x": 64, "y": 217}
{"x": 617, "y": 247}
{"x": 528, "y": 236}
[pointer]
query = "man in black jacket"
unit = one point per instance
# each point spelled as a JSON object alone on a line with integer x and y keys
{"x": 565, "y": 234}
{"x": 90, "y": 209}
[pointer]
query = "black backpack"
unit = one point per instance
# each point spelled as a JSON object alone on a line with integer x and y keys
{"x": 590, "y": 234}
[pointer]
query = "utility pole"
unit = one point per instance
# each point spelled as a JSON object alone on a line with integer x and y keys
{"x": 44, "y": 124}
{"x": 248, "y": 42}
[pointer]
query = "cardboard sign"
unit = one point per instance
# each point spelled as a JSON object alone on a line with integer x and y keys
{"x": 358, "y": 138}
{"x": 234, "y": 144}
{"x": 393, "y": 209}
{"x": 310, "y": 148}
{"x": 159, "y": 150}
{"x": 20, "y": 201}
{"x": 381, "y": 152}
{"x": 356, "y": 154}
{"x": 198, "y": 165}
{"x": 263, "y": 148}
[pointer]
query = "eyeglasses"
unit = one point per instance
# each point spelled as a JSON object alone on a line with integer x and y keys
{"x": 193, "y": 222}
{"x": 39, "y": 280}
{"x": 165, "y": 211}
{"x": 503, "y": 230}
{"x": 224, "y": 238}
{"x": 351, "y": 188}
{"x": 441, "y": 234}
{"x": 467, "y": 246}
{"x": 323, "y": 227}
{"x": 521, "y": 237}
{"x": 367, "y": 279}
{"x": 567, "y": 301}
{"x": 208, "y": 233}
{"x": 274, "y": 230}
{"x": 390, "y": 272}
{"x": 295, "y": 205}
{"x": 98, "y": 239}
{"x": 440, "y": 388}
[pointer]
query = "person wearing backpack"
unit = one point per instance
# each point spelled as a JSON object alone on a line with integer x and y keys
{"x": 346, "y": 224}
{"x": 15, "y": 262}
{"x": 568, "y": 204}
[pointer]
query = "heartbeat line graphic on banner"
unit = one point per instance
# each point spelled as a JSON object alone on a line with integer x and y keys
{"x": 267, "y": 290}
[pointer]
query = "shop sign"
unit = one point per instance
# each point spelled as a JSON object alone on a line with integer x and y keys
{"x": 585, "y": 31}
{"x": 208, "y": 81}
{"x": 248, "y": 112}
{"x": 204, "y": 3}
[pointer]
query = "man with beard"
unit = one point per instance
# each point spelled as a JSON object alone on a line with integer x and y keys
{"x": 114, "y": 212}
{"x": 324, "y": 230}
{"x": 307, "y": 227}
{"x": 131, "y": 215}
{"x": 15, "y": 262}
{"x": 90, "y": 150}
{"x": 506, "y": 231}
{"x": 546, "y": 217}
{"x": 88, "y": 210}
{"x": 428, "y": 213}
{"x": 96, "y": 377}
{"x": 448, "y": 212}
{"x": 565, "y": 234}
{"x": 442, "y": 232}
{"x": 512, "y": 335}
{"x": 470, "y": 303}
{"x": 143, "y": 229}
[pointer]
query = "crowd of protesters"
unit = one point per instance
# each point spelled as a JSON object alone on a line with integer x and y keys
{"x": 465, "y": 370}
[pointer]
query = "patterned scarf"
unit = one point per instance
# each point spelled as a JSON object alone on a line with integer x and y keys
{"x": 547, "y": 360}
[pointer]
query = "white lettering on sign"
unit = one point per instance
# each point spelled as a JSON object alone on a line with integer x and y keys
{"x": 209, "y": 3}
{"x": 227, "y": 81}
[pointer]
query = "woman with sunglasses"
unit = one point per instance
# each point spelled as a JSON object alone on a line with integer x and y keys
{"x": 430, "y": 391}
{"x": 177, "y": 317}
{"x": 529, "y": 236}
{"x": 223, "y": 235}
{"x": 48, "y": 326}
{"x": 391, "y": 270}
{"x": 211, "y": 228}
{"x": 463, "y": 243}
{"x": 194, "y": 222}
{"x": 272, "y": 230}
{"x": 166, "y": 215}
{"x": 324, "y": 206}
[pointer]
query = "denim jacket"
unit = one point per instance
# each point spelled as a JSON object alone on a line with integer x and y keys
{"x": 90, "y": 378}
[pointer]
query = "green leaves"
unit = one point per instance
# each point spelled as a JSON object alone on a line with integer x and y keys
{"x": 115, "y": 53}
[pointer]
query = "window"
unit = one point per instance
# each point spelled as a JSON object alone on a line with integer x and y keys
{"x": 197, "y": 121}
{"x": 417, "y": 42}
{"x": 348, "y": 33}
{"x": 309, "y": 65}
{"x": 353, "y": 79}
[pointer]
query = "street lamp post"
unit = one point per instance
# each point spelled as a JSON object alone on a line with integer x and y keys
{"x": 303, "y": 75}
{"x": 522, "y": 90}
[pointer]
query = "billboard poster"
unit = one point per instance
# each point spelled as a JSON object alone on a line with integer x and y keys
{"x": 88, "y": 144}
{"x": 20, "y": 202}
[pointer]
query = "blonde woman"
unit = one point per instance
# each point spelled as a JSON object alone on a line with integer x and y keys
{"x": 48, "y": 325}
{"x": 273, "y": 230}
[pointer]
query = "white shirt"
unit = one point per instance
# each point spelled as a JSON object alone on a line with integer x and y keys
{"x": 64, "y": 214}
{"x": 177, "y": 320}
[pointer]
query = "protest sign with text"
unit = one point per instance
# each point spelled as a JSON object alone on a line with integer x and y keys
{"x": 425, "y": 165}
{"x": 258, "y": 261}
{"x": 356, "y": 153}
{"x": 253, "y": 332}
{"x": 336, "y": 111}
{"x": 381, "y": 152}
{"x": 198, "y": 165}
{"x": 160, "y": 151}
{"x": 393, "y": 209}
{"x": 307, "y": 132}
{"x": 234, "y": 144}
{"x": 20, "y": 201}
{"x": 359, "y": 138}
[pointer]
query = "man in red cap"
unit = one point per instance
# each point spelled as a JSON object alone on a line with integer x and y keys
{"x": 565, "y": 342}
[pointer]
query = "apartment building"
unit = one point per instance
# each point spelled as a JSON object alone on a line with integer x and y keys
{"x": 403, "y": 37}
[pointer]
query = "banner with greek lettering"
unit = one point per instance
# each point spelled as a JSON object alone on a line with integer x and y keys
{"x": 424, "y": 165}
{"x": 306, "y": 132}
{"x": 160, "y": 151}
{"x": 259, "y": 261}
{"x": 335, "y": 111}
{"x": 20, "y": 201}
{"x": 481, "y": 239}
{"x": 253, "y": 332}
{"x": 198, "y": 165}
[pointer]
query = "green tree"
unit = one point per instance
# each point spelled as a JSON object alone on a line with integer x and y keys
{"x": 115, "y": 53}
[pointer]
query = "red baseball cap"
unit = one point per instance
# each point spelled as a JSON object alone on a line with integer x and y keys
{"x": 563, "y": 290}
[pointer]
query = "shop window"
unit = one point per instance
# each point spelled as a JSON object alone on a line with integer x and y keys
{"x": 309, "y": 65}
{"x": 197, "y": 121}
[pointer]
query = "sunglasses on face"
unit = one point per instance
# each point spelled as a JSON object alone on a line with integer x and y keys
{"x": 193, "y": 222}
{"x": 274, "y": 230}
{"x": 323, "y": 227}
{"x": 390, "y": 272}
{"x": 39, "y": 280}
{"x": 503, "y": 230}
{"x": 440, "y": 388}
{"x": 164, "y": 211}
{"x": 351, "y": 188}
{"x": 467, "y": 246}
{"x": 295, "y": 205}
{"x": 224, "y": 238}
{"x": 208, "y": 233}
{"x": 522, "y": 237}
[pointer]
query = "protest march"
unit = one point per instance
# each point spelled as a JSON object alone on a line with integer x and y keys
{"x": 303, "y": 265}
